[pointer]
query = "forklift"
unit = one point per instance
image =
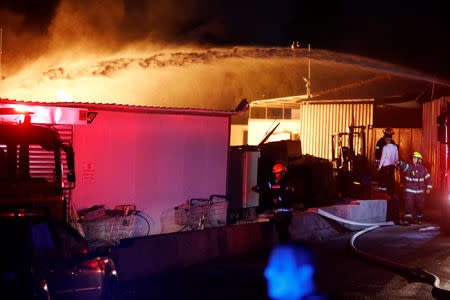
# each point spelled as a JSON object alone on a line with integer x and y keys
{"x": 351, "y": 167}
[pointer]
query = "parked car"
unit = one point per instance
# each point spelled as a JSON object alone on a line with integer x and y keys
{"x": 43, "y": 258}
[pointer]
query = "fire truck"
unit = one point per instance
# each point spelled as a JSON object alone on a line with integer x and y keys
{"x": 37, "y": 188}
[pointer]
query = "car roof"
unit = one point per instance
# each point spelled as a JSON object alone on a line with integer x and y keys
{"x": 26, "y": 218}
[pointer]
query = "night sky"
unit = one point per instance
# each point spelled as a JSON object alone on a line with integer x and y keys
{"x": 413, "y": 34}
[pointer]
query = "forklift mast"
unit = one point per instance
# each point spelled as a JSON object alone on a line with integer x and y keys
{"x": 344, "y": 156}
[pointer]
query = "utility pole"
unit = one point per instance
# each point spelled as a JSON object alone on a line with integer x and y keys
{"x": 308, "y": 80}
{"x": 308, "y": 83}
{"x": 1, "y": 51}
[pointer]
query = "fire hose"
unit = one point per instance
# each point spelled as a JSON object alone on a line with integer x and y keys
{"x": 416, "y": 273}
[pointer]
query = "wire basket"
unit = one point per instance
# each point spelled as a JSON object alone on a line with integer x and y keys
{"x": 109, "y": 228}
{"x": 214, "y": 211}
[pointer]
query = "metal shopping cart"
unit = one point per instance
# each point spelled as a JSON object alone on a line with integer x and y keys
{"x": 200, "y": 213}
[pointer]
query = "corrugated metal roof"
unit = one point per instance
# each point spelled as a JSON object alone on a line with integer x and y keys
{"x": 295, "y": 101}
{"x": 242, "y": 107}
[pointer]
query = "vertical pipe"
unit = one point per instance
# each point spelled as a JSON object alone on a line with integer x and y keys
{"x": 1, "y": 51}
{"x": 308, "y": 90}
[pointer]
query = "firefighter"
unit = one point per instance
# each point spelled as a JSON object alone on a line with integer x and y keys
{"x": 281, "y": 193}
{"x": 386, "y": 167}
{"x": 418, "y": 183}
{"x": 387, "y": 135}
{"x": 387, "y": 132}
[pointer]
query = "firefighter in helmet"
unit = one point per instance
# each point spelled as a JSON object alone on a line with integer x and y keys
{"x": 280, "y": 189}
{"x": 281, "y": 192}
{"x": 418, "y": 183}
{"x": 279, "y": 170}
{"x": 387, "y": 133}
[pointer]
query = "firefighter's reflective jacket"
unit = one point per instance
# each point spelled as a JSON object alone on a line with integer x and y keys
{"x": 281, "y": 192}
{"x": 417, "y": 178}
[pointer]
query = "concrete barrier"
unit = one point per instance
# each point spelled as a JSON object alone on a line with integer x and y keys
{"x": 139, "y": 258}
{"x": 309, "y": 225}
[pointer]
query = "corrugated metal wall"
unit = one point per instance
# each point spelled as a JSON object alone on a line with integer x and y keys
{"x": 408, "y": 139}
{"x": 431, "y": 148}
{"x": 42, "y": 162}
{"x": 319, "y": 121}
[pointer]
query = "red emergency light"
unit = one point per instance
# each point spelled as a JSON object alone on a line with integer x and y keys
{"x": 17, "y": 113}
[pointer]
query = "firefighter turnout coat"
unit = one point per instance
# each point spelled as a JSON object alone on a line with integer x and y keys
{"x": 417, "y": 178}
{"x": 281, "y": 192}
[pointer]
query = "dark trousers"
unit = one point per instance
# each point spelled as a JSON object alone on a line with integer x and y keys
{"x": 387, "y": 178}
{"x": 282, "y": 221}
{"x": 392, "y": 213}
{"x": 414, "y": 203}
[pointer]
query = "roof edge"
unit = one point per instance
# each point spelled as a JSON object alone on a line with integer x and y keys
{"x": 240, "y": 108}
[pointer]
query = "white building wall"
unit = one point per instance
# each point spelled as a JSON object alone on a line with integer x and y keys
{"x": 258, "y": 128}
{"x": 315, "y": 122}
{"x": 237, "y": 135}
{"x": 155, "y": 161}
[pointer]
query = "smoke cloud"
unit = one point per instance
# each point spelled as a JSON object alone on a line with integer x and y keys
{"x": 159, "y": 53}
{"x": 104, "y": 27}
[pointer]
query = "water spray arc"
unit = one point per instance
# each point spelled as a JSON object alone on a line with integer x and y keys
{"x": 210, "y": 78}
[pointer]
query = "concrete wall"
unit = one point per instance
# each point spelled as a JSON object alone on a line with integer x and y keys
{"x": 138, "y": 258}
{"x": 141, "y": 257}
{"x": 309, "y": 225}
{"x": 155, "y": 161}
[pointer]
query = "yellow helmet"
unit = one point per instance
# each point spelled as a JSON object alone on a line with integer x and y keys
{"x": 417, "y": 154}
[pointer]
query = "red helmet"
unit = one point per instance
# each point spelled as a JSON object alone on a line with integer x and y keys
{"x": 388, "y": 131}
{"x": 279, "y": 168}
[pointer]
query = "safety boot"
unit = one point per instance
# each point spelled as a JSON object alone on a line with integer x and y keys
{"x": 407, "y": 219}
{"x": 419, "y": 219}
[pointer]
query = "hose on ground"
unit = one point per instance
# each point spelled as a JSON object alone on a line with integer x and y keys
{"x": 416, "y": 273}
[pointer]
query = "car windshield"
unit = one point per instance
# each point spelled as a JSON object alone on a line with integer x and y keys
{"x": 34, "y": 239}
{"x": 17, "y": 248}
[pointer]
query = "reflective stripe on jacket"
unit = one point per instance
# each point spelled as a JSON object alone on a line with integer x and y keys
{"x": 417, "y": 178}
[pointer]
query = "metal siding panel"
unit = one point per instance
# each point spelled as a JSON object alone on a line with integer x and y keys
{"x": 319, "y": 121}
{"x": 430, "y": 147}
{"x": 42, "y": 162}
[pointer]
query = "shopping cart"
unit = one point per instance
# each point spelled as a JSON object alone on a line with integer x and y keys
{"x": 200, "y": 213}
{"x": 109, "y": 228}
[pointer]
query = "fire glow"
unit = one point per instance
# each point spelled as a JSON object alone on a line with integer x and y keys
{"x": 201, "y": 78}
{"x": 87, "y": 58}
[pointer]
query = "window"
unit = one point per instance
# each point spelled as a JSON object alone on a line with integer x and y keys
{"x": 288, "y": 113}
{"x": 42, "y": 242}
{"x": 258, "y": 113}
{"x": 274, "y": 113}
{"x": 69, "y": 241}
